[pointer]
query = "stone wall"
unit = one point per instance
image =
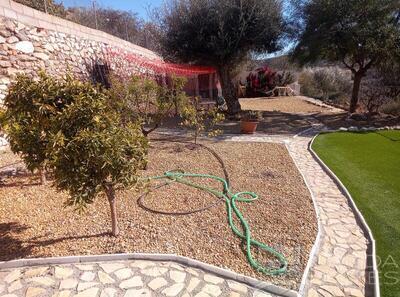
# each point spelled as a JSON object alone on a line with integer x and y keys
{"x": 31, "y": 40}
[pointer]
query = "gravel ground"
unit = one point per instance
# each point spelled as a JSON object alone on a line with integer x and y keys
{"x": 34, "y": 222}
{"x": 293, "y": 104}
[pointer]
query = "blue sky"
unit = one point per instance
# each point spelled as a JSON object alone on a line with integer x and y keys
{"x": 138, "y": 6}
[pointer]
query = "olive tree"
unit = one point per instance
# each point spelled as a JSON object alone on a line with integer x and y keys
{"x": 220, "y": 33}
{"x": 360, "y": 34}
{"x": 92, "y": 152}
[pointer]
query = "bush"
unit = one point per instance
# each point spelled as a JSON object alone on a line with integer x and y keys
{"x": 392, "y": 107}
{"x": 201, "y": 120}
{"x": 30, "y": 106}
{"x": 68, "y": 127}
{"x": 328, "y": 83}
{"x": 144, "y": 100}
{"x": 93, "y": 152}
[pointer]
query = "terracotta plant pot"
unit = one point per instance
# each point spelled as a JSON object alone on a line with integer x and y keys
{"x": 248, "y": 126}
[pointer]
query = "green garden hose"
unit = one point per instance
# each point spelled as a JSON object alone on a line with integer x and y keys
{"x": 230, "y": 200}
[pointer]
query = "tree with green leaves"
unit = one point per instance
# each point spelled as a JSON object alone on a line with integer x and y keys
{"x": 199, "y": 119}
{"x": 47, "y": 6}
{"x": 220, "y": 33}
{"x": 29, "y": 108}
{"x": 92, "y": 152}
{"x": 144, "y": 100}
{"x": 360, "y": 34}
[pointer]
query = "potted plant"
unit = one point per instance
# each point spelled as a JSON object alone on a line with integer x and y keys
{"x": 249, "y": 122}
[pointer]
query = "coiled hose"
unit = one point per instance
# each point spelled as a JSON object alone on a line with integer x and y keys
{"x": 230, "y": 201}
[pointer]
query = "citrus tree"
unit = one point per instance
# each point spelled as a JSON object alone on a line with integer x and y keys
{"x": 201, "y": 120}
{"x": 92, "y": 152}
{"x": 142, "y": 99}
{"x": 29, "y": 108}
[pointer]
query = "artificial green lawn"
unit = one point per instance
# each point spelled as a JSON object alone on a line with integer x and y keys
{"x": 368, "y": 164}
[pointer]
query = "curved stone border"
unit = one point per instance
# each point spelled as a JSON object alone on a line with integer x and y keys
{"x": 252, "y": 282}
{"x": 356, "y": 211}
{"x": 315, "y": 248}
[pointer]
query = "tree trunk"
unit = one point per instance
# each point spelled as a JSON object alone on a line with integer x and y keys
{"x": 110, "y": 192}
{"x": 229, "y": 90}
{"x": 42, "y": 173}
{"x": 356, "y": 89}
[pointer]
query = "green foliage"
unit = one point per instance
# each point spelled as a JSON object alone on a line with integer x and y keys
{"x": 359, "y": 34}
{"x": 91, "y": 150}
{"x": 30, "y": 106}
{"x": 221, "y": 33}
{"x": 52, "y": 6}
{"x": 141, "y": 99}
{"x": 201, "y": 120}
{"x": 329, "y": 83}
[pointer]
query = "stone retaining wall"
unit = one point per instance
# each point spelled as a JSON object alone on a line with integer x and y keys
{"x": 31, "y": 40}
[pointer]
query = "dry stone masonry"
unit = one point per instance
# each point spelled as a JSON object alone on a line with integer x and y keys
{"x": 31, "y": 40}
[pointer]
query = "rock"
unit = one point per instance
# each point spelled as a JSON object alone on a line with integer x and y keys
{"x": 177, "y": 276}
{"x": 12, "y": 276}
{"x": 138, "y": 293}
{"x": 68, "y": 284}
{"x": 25, "y": 47}
{"x": 88, "y": 293}
{"x": 42, "y": 280}
{"x": 237, "y": 287}
{"x": 63, "y": 272}
{"x": 135, "y": 281}
{"x": 194, "y": 282}
{"x": 212, "y": 290}
{"x": 5, "y": 33}
{"x": 88, "y": 276}
{"x": 105, "y": 278}
{"x": 12, "y": 39}
{"x": 108, "y": 292}
{"x": 154, "y": 271}
{"x": 86, "y": 285}
{"x": 15, "y": 286}
{"x": 353, "y": 129}
{"x": 342, "y": 129}
{"x": 41, "y": 56}
{"x": 5, "y": 64}
{"x": 36, "y": 271}
{"x": 22, "y": 37}
{"x": 123, "y": 273}
{"x": 173, "y": 290}
{"x": 157, "y": 283}
{"x": 2, "y": 39}
{"x": 32, "y": 292}
{"x": 333, "y": 290}
{"x": 111, "y": 267}
{"x": 213, "y": 279}
{"x": 84, "y": 267}
{"x": 62, "y": 294}
{"x": 10, "y": 25}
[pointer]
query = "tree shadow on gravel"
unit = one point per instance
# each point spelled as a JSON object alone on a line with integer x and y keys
{"x": 12, "y": 247}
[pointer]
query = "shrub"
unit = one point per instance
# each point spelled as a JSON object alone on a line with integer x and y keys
{"x": 144, "y": 100}
{"x": 392, "y": 107}
{"x": 328, "y": 83}
{"x": 30, "y": 106}
{"x": 92, "y": 152}
{"x": 201, "y": 120}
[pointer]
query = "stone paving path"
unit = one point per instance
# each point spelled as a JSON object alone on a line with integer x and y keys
{"x": 338, "y": 269}
{"x": 340, "y": 266}
{"x": 134, "y": 278}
